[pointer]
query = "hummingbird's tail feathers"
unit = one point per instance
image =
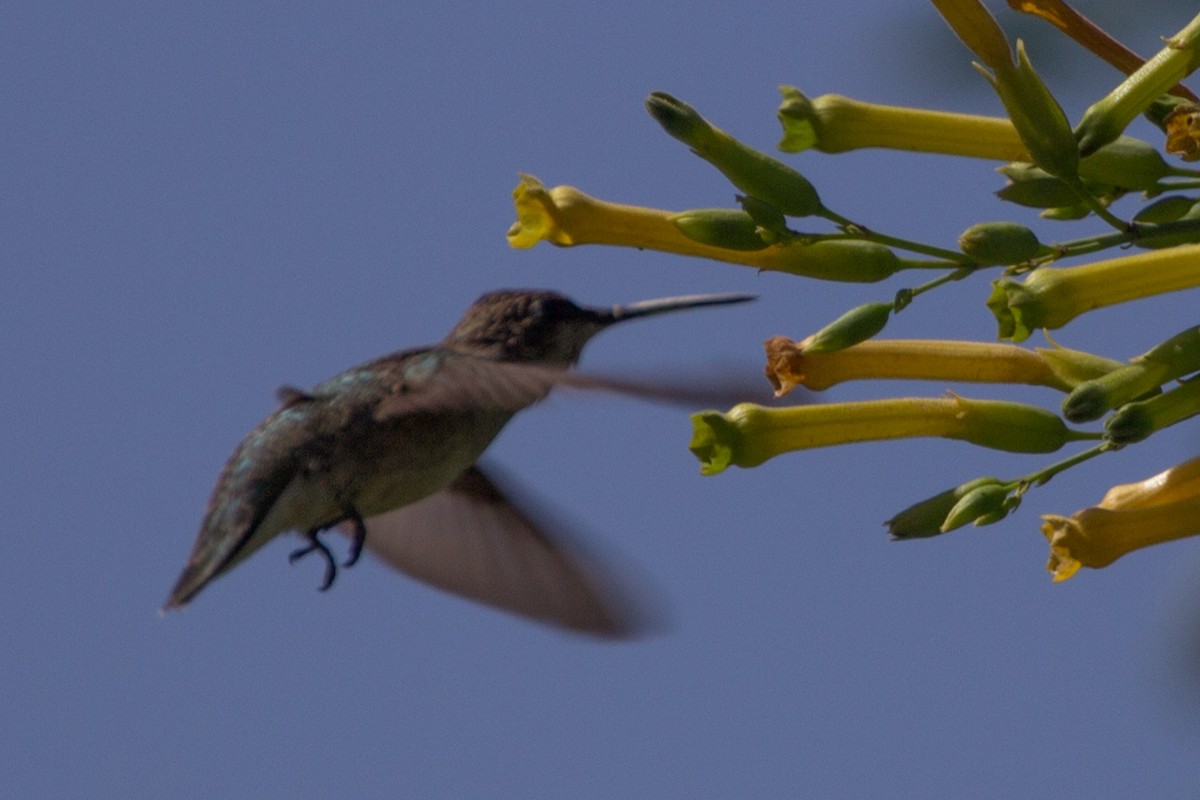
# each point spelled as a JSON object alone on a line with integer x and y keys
{"x": 237, "y": 521}
{"x": 471, "y": 540}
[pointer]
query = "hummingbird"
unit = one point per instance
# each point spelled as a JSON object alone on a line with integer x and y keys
{"x": 386, "y": 453}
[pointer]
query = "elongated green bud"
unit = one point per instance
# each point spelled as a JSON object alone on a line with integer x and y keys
{"x": 983, "y": 505}
{"x": 1180, "y": 354}
{"x": 1173, "y": 358}
{"x": 1035, "y": 188}
{"x": 999, "y": 243}
{"x": 856, "y": 325}
{"x": 845, "y": 260}
{"x": 750, "y": 170}
{"x": 772, "y": 226}
{"x": 720, "y": 227}
{"x": 1127, "y": 162}
{"x": 1133, "y": 422}
{"x": 1067, "y": 213}
{"x": 924, "y": 519}
{"x": 1166, "y": 209}
{"x": 1095, "y": 398}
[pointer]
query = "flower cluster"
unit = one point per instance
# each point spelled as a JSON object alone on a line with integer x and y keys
{"x": 1066, "y": 173}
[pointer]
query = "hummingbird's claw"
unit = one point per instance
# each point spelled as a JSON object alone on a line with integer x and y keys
{"x": 357, "y": 537}
{"x": 316, "y": 545}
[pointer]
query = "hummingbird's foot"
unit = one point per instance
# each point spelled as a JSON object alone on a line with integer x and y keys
{"x": 316, "y": 545}
{"x": 357, "y": 537}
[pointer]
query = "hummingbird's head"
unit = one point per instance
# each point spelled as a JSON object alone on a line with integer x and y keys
{"x": 528, "y": 325}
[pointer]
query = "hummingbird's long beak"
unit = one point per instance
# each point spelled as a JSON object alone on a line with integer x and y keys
{"x": 647, "y": 308}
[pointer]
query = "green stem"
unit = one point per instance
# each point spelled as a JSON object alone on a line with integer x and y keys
{"x": 1096, "y": 206}
{"x": 1043, "y": 476}
{"x": 863, "y": 232}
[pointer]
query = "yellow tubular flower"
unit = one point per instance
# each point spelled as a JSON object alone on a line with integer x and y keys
{"x": 1131, "y": 516}
{"x": 565, "y": 216}
{"x": 1108, "y": 117}
{"x": 789, "y": 365}
{"x": 1050, "y": 297}
{"x": 835, "y": 124}
{"x": 750, "y": 434}
{"x": 1177, "y": 483}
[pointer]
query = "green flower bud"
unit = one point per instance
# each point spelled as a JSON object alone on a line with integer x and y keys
{"x": 772, "y": 225}
{"x": 1171, "y": 208}
{"x": 999, "y": 243}
{"x": 750, "y": 170}
{"x": 925, "y": 519}
{"x": 1128, "y": 163}
{"x": 1152, "y": 239}
{"x": 1095, "y": 398}
{"x": 856, "y": 325}
{"x": 1067, "y": 213}
{"x": 1034, "y": 188}
{"x": 845, "y": 260}
{"x": 1133, "y": 422}
{"x": 1180, "y": 354}
{"x": 720, "y": 227}
{"x": 1171, "y": 359}
{"x": 983, "y": 505}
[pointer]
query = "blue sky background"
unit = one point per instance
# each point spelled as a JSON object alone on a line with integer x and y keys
{"x": 201, "y": 202}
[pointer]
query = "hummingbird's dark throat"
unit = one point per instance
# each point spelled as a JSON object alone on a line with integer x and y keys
{"x": 315, "y": 545}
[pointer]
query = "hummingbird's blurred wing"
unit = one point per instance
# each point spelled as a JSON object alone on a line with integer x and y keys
{"x": 447, "y": 380}
{"x": 469, "y": 539}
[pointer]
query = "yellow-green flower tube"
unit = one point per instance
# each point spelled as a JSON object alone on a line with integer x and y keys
{"x": 789, "y": 363}
{"x": 1108, "y": 117}
{"x": 832, "y": 123}
{"x": 1159, "y": 509}
{"x": 749, "y": 434}
{"x": 1177, "y": 483}
{"x": 1133, "y": 422}
{"x": 1050, "y": 297}
{"x": 565, "y": 216}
